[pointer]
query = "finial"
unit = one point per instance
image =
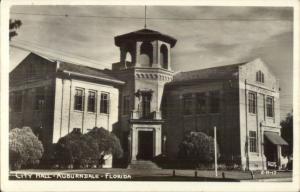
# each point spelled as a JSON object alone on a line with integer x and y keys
{"x": 145, "y": 26}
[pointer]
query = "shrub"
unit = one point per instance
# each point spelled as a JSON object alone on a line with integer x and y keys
{"x": 108, "y": 143}
{"x": 76, "y": 149}
{"x": 25, "y": 149}
{"x": 197, "y": 148}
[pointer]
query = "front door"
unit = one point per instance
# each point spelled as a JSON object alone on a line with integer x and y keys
{"x": 145, "y": 145}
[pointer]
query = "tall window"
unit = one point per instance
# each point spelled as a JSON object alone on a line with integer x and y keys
{"x": 79, "y": 99}
{"x": 146, "y": 105}
{"x": 214, "y": 101}
{"x": 252, "y": 141}
{"x": 126, "y": 105}
{"x": 92, "y": 101}
{"x": 252, "y": 102}
{"x": 270, "y": 106}
{"x": 200, "y": 103}
{"x": 17, "y": 101}
{"x": 260, "y": 77}
{"x": 39, "y": 98}
{"x": 104, "y": 103}
{"x": 164, "y": 56}
{"x": 187, "y": 104}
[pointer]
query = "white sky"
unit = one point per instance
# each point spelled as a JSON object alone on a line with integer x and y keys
{"x": 227, "y": 35}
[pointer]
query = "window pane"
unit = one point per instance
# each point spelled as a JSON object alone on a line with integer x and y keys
{"x": 214, "y": 101}
{"x": 92, "y": 101}
{"x": 17, "y": 101}
{"x": 104, "y": 103}
{"x": 79, "y": 100}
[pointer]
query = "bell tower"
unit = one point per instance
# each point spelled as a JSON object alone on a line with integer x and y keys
{"x": 145, "y": 66}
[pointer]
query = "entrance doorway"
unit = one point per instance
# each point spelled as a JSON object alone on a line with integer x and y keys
{"x": 145, "y": 145}
{"x": 270, "y": 151}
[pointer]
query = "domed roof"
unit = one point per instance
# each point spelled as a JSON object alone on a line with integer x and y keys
{"x": 144, "y": 34}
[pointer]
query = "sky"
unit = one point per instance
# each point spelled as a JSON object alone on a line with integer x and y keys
{"x": 206, "y": 36}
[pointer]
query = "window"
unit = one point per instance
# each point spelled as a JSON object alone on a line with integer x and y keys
{"x": 200, "y": 103}
{"x": 92, "y": 101}
{"x": 164, "y": 56}
{"x": 79, "y": 99}
{"x": 252, "y": 141}
{"x": 146, "y": 104}
{"x": 39, "y": 98}
{"x": 17, "y": 101}
{"x": 126, "y": 105}
{"x": 270, "y": 106}
{"x": 252, "y": 103}
{"x": 214, "y": 101}
{"x": 260, "y": 77}
{"x": 104, "y": 103}
{"x": 187, "y": 104}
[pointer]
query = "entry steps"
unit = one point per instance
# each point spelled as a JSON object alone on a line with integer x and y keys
{"x": 142, "y": 164}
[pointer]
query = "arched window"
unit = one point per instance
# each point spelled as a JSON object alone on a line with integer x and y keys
{"x": 146, "y": 54}
{"x": 260, "y": 77}
{"x": 164, "y": 56}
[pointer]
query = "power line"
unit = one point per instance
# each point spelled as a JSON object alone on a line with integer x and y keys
{"x": 150, "y": 18}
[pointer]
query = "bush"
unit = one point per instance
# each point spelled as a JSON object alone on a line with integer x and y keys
{"x": 108, "y": 143}
{"x": 197, "y": 148}
{"x": 25, "y": 149}
{"x": 76, "y": 150}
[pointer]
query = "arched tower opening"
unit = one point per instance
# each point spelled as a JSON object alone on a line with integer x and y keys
{"x": 146, "y": 54}
{"x": 128, "y": 59}
{"x": 164, "y": 57}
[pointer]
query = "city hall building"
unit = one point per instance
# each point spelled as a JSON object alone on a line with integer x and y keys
{"x": 148, "y": 105}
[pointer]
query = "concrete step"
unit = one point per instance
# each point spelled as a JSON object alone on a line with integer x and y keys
{"x": 142, "y": 164}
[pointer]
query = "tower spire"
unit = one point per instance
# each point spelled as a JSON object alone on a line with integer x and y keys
{"x": 145, "y": 26}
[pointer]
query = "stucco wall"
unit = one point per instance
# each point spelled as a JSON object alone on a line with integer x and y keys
{"x": 66, "y": 118}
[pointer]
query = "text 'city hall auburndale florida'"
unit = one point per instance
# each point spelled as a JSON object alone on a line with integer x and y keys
{"x": 149, "y": 106}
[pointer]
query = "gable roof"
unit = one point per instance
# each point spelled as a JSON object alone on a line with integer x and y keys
{"x": 226, "y": 72}
{"x": 145, "y": 34}
{"x": 87, "y": 72}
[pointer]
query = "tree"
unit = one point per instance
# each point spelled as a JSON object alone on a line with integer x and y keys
{"x": 287, "y": 134}
{"x": 197, "y": 147}
{"x": 25, "y": 149}
{"x": 13, "y": 26}
{"x": 108, "y": 143}
{"x": 76, "y": 149}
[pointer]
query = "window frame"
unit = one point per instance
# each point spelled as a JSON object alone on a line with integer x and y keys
{"x": 95, "y": 101}
{"x": 270, "y": 98}
{"x": 82, "y": 99}
{"x": 107, "y": 100}
{"x": 37, "y": 104}
{"x": 253, "y": 142}
{"x": 252, "y": 109}
{"x": 16, "y": 94}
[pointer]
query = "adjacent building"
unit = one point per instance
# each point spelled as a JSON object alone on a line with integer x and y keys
{"x": 148, "y": 106}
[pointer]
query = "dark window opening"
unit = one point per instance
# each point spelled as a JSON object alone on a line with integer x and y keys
{"x": 146, "y": 52}
{"x": 200, "y": 103}
{"x": 92, "y": 101}
{"x": 79, "y": 100}
{"x": 39, "y": 98}
{"x": 17, "y": 101}
{"x": 252, "y": 141}
{"x": 104, "y": 103}
{"x": 260, "y": 77}
{"x": 146, "y": 105}
{"x": 187, "y": 104}
{"x": 270, "y": 106}
{"x": 164, "y": 56}
{"x": 214, "y": 101}
{"x": 252, "y": 103}
{"x": 126, "y": 105}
